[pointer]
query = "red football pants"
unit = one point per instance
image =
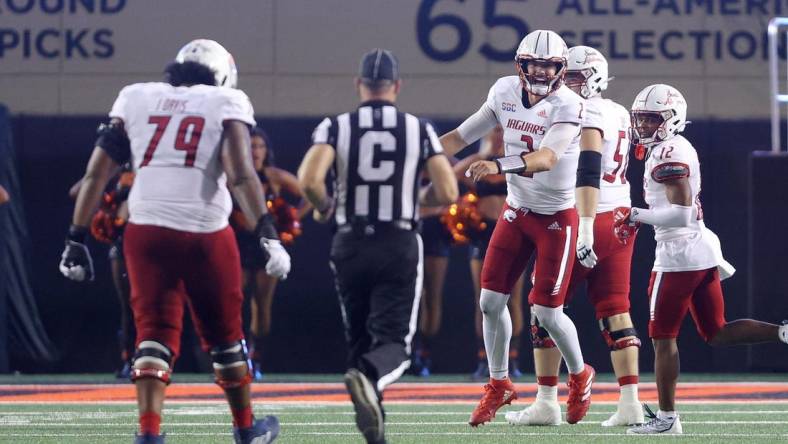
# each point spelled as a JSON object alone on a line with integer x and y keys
{"x": 168, "y": 268}
{"x": 516, "y": 236}
{"x": 608, "y": 282}
{"x": 671, "y": 294}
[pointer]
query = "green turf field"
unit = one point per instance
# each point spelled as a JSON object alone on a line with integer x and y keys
{"x": 407, "y": 423}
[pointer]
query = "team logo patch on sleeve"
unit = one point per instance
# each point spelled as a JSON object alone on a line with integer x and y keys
{"x": 670, "y": 171}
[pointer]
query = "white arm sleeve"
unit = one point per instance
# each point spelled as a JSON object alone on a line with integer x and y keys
{"x": 674, "y": 216}
{"x": 559, "y": 136}
{"x": 478, "y": 124}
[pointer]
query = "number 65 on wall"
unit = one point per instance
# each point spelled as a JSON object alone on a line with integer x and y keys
{"x": 426, "y": 25}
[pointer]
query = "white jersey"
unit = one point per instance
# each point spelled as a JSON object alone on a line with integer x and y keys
{"x": 524, "y": 128}
{"x": 176, "y": 135}
{"x": 613, "y": 120}
{"x": 694, "y": 247}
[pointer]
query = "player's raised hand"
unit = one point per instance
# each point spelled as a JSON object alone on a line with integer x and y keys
{"x": 623, "y": 226}
{"x": 75, "y": 262}
{"x": 585, "y": 243}
{"x": 480, "y": 169}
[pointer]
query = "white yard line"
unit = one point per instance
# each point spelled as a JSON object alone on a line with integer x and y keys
{"x": 487, "y": 433}
{"x": 335, "y": 423}
{"x": 221, "y": 410}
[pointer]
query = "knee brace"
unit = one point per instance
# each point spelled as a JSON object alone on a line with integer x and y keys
{"x": 231, "y": 356}
{"x": 616, "y": 339}
{"x": 152, "y": 360}
{"x": 539, "y": 336}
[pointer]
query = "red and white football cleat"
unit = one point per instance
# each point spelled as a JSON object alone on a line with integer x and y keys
{"x": 579, "y": 394}
{"x": 497, "y": 393}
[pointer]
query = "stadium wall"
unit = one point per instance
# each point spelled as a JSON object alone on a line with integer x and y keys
{"x": 306, "y": 337}
{"x": 296, "y": 57}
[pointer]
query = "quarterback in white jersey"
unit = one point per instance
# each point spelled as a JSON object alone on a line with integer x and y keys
{"x": 608, "y": 281}
{"x": 525, "y": 127}
{"x": 186, "y": 139}
{"x": 541, "y": 120}
{"x": 689, "y": 266}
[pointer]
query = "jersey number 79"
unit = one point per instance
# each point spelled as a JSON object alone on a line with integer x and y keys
{"x": 187, "y": 138}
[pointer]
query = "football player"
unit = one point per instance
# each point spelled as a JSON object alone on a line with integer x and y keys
{"x": 688, "y": 264}
{"x": 608, "y": 281}
{"x": 541, "y": 120}
{"x": 188, "y": 140}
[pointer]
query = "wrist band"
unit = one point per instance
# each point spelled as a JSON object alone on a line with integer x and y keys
{"x": 511, "y": 164}
{"x": 265, "y": 227}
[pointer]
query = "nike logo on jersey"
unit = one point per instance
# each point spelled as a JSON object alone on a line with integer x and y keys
{"x": 554, "y": 226}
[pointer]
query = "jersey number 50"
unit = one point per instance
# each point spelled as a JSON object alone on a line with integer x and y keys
{"x": 187, "y": 138}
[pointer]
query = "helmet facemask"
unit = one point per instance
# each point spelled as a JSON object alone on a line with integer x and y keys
{"x": 577, "y": 80}
{"x": 541, "y": 83}
{"x": 648, "y": 129}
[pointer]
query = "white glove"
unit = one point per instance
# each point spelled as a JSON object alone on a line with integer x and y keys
{"x": 585, "y": 242}
{"x": 278, "y": 264}
{"x": 75, "y": 262}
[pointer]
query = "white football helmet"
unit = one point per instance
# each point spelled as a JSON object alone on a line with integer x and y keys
{"x": 543, "y": 46}
{"x": 658, "y": 113}
{"x": 213, "y": 55}
{"x": 586, "y": 69}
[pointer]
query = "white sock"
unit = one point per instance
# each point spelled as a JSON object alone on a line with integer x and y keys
{"x": 629, "y": 394}
{"x": 497, "y": 330}
{"x": 783, "y": 333}
{"x": 666, "y": 415}
{"x": 547, "y": 393}
{"x": 563, "y": 332}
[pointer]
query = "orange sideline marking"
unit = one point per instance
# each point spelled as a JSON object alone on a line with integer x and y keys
{"x": 400, "y": 393}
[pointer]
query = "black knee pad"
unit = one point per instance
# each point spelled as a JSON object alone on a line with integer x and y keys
{"x": 152, "y": 360}
{"x": 234, "y": 354}
{"x": 615, "y": 339}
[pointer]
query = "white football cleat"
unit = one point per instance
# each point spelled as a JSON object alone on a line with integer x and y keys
{"x": 540, "y": 413}
{"x": 665, "y": 426}
{"x": 627, "y": 414}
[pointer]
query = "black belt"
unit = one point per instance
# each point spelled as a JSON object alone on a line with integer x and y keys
{"x": 365, "y": 227}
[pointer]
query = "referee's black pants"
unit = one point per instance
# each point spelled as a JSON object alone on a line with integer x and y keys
{"x": 379, "y": 281}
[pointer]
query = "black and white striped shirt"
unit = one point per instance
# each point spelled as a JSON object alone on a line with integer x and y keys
{"x": 380, "y": 153}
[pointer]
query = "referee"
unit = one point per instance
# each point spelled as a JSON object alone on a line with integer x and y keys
{"x": 376, "y": 154}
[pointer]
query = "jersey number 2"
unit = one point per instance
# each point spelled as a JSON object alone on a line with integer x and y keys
{"x": 187, "y": 138}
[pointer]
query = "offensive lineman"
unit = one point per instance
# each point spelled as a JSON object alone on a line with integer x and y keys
{"x": 541, "y": 120}
{"x": 688, "y": 264}
{"x": 188, "y": 140}
{"x": 608, "y": 281}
